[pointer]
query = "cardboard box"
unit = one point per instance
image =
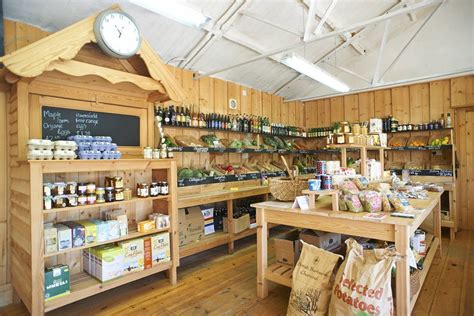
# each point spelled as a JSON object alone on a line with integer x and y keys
{"x": 108, "y": 262}
{"x": 133, "y": 257}
{"x": 147, "y": 258}
{"x": 78, "y": 233}
{"x": 239, "y": 224}
{"x": 50, "y": 238}
{"x": 90, "y": 231}
{"x": 183, "y": 227}
{"x": 323, "y": 240}
{"x": 287, "y": 248}
{"x": 56, "y": 281}
{"x": 208, "y": 215}
{"x": 102, "y": 230}
{"x": 64, "y": 236}
{"x": 195, "y": 223}
{"x": 114, "y": 229}
{"x": 160, "y": 248}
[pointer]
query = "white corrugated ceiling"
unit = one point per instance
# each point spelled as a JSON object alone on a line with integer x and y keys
{"x": 444, "y": 45}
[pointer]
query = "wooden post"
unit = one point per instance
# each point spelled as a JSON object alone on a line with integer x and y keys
{"x": 343, "y": 157}
{"x": 363, "y": 161}
{"x": 437, "y": 224}
{"x": 230, "y": 226}
{"x": 402, "y": 245}
{"x": 382, "y": 161}
{"x": 172, "y": 211}
{"x": 262, "y": 255}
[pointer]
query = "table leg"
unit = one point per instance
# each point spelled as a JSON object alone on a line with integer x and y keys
{"x": 335, "y": 202}
{"x": 437, "y": 224}
{"x": 402, "y": 244}
{"x": 262, "y": 254}
{"x": 230, "y": 226}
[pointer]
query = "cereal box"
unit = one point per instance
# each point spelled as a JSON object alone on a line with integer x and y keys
{"x": 160, "y": 248}
{"x": 133, "y": 255}
{"x": 90, "y": 230}
{"x": 64, "y": 236}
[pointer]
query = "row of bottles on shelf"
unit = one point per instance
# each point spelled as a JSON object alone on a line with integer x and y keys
{"x": 391, "y": 124}
{"x": 186, "y": 117}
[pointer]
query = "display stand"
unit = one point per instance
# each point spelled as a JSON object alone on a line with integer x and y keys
{"x": 314, "y": 194}
{"x": 363, "y": 155}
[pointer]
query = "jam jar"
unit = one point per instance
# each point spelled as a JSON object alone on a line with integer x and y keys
{"x": 91, "y": 199}
{"x": 47, "y": 202}
{"x": 60, "y": 201}
{"x": 100, "y": 195}
{"x": 58, "y": 188}
{"x": 82, "y": 199}
{"x": 81, "y": 188}
{"x": 164, "y": 188}
{"x": 90, "y": 188}
{"x": 127, "y": 194}
{"x": 71, "y": 188}
{"x": 109, "y": 194}
{"x": 155, "y": 189}
{"x": 72, "y": 200}
{"x": 142, "y": 190}
{"x": 47, "y": 188}
{"x": 118, "y": 194}
{"x": 118, "y": 182}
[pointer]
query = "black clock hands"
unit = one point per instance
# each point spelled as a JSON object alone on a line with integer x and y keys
{"x": 120, "y": 33}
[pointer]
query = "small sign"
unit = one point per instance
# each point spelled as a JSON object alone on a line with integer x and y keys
{"x": 301, "y": 202}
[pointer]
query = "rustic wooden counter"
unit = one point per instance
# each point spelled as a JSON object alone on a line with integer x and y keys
{"x": 393, "y": 229}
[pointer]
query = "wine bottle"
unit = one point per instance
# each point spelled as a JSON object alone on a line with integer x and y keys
{"x": 188, "y": 118}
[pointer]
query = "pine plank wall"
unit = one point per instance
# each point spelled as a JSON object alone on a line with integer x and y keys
{"x": 415, "y": 103}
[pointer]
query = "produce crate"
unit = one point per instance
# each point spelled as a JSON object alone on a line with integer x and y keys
{"x": 395, "y": 165}
{"x": 418, "y": 141}
{"x": 398, "y": 141}
{"x": 188, "y": 141}
{"x": 442, "y": 140}
{"x": 414, "y": 165}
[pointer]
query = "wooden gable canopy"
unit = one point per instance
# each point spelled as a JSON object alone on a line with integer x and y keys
{"x": 56, "y": 51}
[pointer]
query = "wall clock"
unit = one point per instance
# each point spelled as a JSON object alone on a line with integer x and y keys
{"x": 117, "y": 34}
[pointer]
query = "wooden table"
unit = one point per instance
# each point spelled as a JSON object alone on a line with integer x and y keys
{"x": 393, "y": 229}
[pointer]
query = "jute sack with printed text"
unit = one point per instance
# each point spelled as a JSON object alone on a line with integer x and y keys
{"x": 363, "y": 282}
{"x": 311, "y": 289}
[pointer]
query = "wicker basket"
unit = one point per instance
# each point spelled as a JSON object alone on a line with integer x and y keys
{"x": 285, "y": 189}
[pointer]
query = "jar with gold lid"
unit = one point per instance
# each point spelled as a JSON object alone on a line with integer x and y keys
{"x": 348, "y": 138}
{"x": 356, "y": 128}
{"x": 345, "y": 127}
{"x": 340, "y": 139}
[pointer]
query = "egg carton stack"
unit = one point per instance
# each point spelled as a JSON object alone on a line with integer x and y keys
{"x": 95, "y": 147}
{"x": 44, "y": 149}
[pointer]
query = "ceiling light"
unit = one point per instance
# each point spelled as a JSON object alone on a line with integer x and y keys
{"x": 305, "y": 67}
{"x": 175, "y": 10}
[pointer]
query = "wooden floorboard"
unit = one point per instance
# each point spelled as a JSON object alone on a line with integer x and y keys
{"x": 215, "y": 283}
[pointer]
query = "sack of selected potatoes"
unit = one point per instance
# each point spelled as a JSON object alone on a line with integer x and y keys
{"x": 311, "y": 289}
{"x": 363, "y": 282}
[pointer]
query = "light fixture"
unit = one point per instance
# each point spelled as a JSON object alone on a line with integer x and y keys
{"x": 305, "y": 67}
{"x": 175, "y": 10}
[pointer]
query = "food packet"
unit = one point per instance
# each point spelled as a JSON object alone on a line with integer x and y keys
{"x": 361, "y": 182}
{"x": 342, "y": 202}
{"x": 371, "y": 201}
{"x": 399, "y": 202}
{"x": 386, "y": 206}
{"x": 348, "y": 187}
{"x": 353, "y": 203}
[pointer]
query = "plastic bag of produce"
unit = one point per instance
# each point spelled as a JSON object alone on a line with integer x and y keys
{"x": 361, "y": 182}
{"x": 353, "y": 203}
{"x": 342, "y": 202}
{"x": 386, "y": 206}
{"x": 312, "y": 284}
{"x": 363, "y": 282}
{"x": 379, "y": 187}
{"x": 399, "y": 202}
{"x": 371, "y": 201}
{"x": 348, "y": 187}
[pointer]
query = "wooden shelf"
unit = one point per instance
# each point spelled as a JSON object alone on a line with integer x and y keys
{"x": 355, "y": 146}
{"x": 447, "y": 223}
{"x": 208, "y": 242}
{"x": 433, "y": 247}
{"x": 402, "y": 148}
{"x": 84, "y": 207}
{"x": 280, "y": 273}
{"x": 78, "y": 165}
{"x": 131, "y": 235}
{"x": 84, "y": 285}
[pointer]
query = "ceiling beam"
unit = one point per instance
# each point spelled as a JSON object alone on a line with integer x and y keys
{"x": 375, "y": 79}
{"x": 355, "y": 26}
{"x": 319, "y": 28}
{"x": 267, "y": 21}
{"x": 309, "y": 20}
{"x": 410, "y": 40}
{"x": 348, "y": 71}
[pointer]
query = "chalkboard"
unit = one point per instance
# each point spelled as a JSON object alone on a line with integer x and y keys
{"x": 59, "y": 123}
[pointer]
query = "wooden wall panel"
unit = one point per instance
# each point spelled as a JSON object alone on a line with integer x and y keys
{"x": 351, "y": 107}
{"x": 383, "y": 103}
{"x": 440, "y": 98}
{"x": 366, "y": 105}
{"x": 419, "y": 103}
{"x": 245, "y": 100}
{"x": 291, "y": 113}
{"x": 284, "y": 110}
{"x": 266, "y": 105}
{"x": 276, "y": 109}
{"x": 256, "y": 101}
{"x": 337, "y": 109}
{"x": 300, "y": 114}
{"x": 462, "y": 91}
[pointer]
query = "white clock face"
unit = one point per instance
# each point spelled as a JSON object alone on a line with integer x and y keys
{"x": 119, "y": 33}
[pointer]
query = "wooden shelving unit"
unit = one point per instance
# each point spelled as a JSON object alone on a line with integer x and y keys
{"x": 363, "y": 154}
{"x": 31, "y": 290}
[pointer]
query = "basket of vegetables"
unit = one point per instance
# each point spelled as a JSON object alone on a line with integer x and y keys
{"x": 287, "y": 188}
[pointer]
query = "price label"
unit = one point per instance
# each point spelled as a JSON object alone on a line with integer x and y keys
{"x": 201, "y": 149}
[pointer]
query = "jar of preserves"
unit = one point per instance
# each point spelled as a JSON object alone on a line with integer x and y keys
{"x": 127, "y": 194}
{"x": 47, "y": 189}
{"x": 155, "y": 189}
{"x": 345, "y": 127}
{"x": 72, "y": 200}
{"x": 82, "y": 200}
{"x": 340, "y": 139}
{"x": 170, "y": 154}
{"x": 90, "y": 188}
{"x": 91, "y": 199}
{"x": 100, "y": 195}
{"x": 156, "y": 154}
{"x": 109, "y": 194}
{"x": 81, "y": 188}
{"x": 59, "y": 201}
{"x": 164, "y": 188}
{"x": 118, "y": 195}
{"x": 163, "y": 152}
{"x": 142, "y": 190}
{"x": 356, "y": 128}
{"x": 59, "y": 188}
{"x": 47, "y": 203}
{"x": 409, "y": 127}
{"x": 117, "y": 182}
{"x": 147, "y": 153}
{"x": 349, "y": 138}
{"x": 71, "y": 188}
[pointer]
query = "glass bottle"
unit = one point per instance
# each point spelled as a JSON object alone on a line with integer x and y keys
{"x": 448, "y": 121}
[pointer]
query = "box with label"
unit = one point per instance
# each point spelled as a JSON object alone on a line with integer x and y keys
{"x": 375, "y": 125}
{"x": 287, "y": 248}
{"x": 195, "y": 223}
{"x": 78, "y": 233}
{"x": 114, "y": 229}
{"x": 102, "y": 230}
{"x": 50, "y": 238}
{"x": 160, "y": 248}
{"x": 323, "y": 240}
{"x": 56, "y": 281}
{"x": 147, "y": 258}
{"x": 146, "y": 225}
{"x": 108, "y": 263}
{"x": 208, "y": 215}
{"x": 132, "y": 255}
{"x": 90, "y": 231}
{"x": 239, "y": 224}
{"x": 121, "y": 217}
{"x": 64, "y": 236}
{"x": 183, "y": 227}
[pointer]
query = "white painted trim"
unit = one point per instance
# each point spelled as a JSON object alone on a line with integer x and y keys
{"x": 375, "y": 79}
{"x": 319, "y": 27}
{"x": 309, "y": 20}
{"x": 461, "y": 73}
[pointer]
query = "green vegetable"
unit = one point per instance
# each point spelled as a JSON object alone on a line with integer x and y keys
{"x": 235, "y": 144}
{"x": 169, "y": 142}
{"x": 280, "y": 143}
{"x": 185, "y": 173}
